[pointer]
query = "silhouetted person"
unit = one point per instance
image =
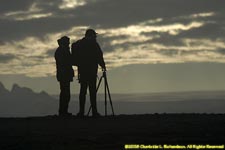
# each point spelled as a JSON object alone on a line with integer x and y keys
{"x": 87, "y": 55}
{"x": 64, "y": 73}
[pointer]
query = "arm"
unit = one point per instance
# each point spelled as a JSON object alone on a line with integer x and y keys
{"x": 101, "y": 61}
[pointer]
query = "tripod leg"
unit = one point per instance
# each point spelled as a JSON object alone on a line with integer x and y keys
{"x": 99, "y": 83}
{"x": 110, "y": 100}
{"x": 105, "y": 98}
{"x": 89, "y": 111}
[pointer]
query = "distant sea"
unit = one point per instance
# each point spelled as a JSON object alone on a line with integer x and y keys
{"x": 24, "y": 103}
{"x": 150, "y": 103}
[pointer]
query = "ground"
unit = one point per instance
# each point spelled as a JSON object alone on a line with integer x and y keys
{"x": 112, "y": 132}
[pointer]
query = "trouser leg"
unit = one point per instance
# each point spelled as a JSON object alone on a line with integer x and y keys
{"x": 92, "y": 91}
{"x": 82, "y": 96}
{"x": 64, "y": 97}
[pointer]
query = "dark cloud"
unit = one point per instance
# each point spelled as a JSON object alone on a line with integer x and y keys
{"x": 11, "y": 5}
{"x": 168, "y": 52}
{"x": 4, "y": 58}
{"x": 175, "y": 52}
{"x": 23, "y": 5}
{"x": 121, "y": 13}
{"x": 48, "y": 5}
{"x": 221, "y": 51}
{"x": 167, "y": 39}
{"x": 50, "y": 53}
{"x": 2, "y": 43}
{"x": 15, "y": 30}
{"x": 209, "y": 30}
{"x": 100, "y": 14}
{"x": 37, "y": 58}
{"x": 105, "y": 42}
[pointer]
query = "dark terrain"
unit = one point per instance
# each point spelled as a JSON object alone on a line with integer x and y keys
{"x": 54, "y": 133}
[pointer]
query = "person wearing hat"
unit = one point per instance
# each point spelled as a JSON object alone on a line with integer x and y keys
{"x": 64, "y": 74}
{"x": 87, "y": 55}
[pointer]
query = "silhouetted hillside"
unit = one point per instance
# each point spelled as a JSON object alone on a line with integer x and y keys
{"x": 3, "y": 90}
{"x": 22, "y": 101}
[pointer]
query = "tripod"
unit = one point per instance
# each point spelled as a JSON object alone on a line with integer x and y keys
{"x": 106, "y": 87}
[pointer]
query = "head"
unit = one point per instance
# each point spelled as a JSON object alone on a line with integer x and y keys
{"x": 64, "y": 41}
{"x": 91, "y": 34}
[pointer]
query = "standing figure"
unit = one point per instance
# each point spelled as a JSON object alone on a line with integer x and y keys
{"x": 87, "y": 55}
{"x": 64, "y": 74}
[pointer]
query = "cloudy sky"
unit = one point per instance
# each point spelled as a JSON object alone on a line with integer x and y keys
{"x": 148, "y": 45}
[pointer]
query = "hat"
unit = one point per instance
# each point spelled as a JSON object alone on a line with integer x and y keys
{"x": 90, "y": 32}
{"x": 63, "y": 40}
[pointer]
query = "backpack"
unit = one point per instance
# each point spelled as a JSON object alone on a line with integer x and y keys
{"x": 75, "y": 51}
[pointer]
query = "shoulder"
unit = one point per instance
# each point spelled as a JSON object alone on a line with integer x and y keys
{"x": 57, "y": 51}
{"x": 97, "y": 45}
{"x": 78, "y": 42}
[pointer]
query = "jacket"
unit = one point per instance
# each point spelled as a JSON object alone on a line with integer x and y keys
{"x": 64, "y": 70}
